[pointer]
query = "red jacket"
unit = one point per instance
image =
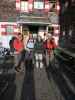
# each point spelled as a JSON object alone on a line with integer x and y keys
{"x": 18, "y": 45}
{"x": 49, "y": 45}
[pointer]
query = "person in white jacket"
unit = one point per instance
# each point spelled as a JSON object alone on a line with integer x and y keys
{"x": 29, "y": 45}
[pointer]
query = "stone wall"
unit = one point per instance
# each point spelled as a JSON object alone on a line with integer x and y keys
{"x": 7, "y": 9}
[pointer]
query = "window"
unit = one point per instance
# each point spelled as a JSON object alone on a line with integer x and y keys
{"x": 38, "y": 5}
{"x": 10, "y": 29}
{"x": 24, "y": 6}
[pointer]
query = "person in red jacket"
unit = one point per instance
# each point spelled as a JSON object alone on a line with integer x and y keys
{"x": 49, "y": 46}
{"x": 19, "y": 51}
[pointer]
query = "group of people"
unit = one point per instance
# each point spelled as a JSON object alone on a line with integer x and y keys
{"x": 32, "y": 50}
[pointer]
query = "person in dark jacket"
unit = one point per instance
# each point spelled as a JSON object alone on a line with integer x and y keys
{"x": 38, "y": 52}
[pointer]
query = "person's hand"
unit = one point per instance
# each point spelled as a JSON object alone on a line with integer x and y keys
{"x": 16, "y": 52}
{"x": 27, "y": 49}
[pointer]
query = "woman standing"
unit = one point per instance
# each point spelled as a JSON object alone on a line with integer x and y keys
{"x": 49, "y": 46}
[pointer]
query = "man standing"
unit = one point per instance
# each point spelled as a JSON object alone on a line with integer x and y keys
{"x": 19, "y": 52}
{"x": 38, "y": 52}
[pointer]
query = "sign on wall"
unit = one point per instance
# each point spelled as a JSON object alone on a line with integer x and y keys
{"x": 7, "y": 28}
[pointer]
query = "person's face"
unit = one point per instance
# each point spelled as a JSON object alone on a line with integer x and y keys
{"x": 48, "y": 40}
{"x": 53, "y": 40}
{"x": 20, "y": 37}
{"x": 30, "y": 36}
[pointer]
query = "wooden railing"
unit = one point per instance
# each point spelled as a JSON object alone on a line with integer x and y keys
{"x": 65, "y": 54}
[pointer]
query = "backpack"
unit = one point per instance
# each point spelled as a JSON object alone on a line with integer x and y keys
{"x": 11, "y": 44}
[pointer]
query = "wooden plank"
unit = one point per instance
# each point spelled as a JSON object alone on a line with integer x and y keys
{"x": 61, "y": 56}
{"x": 67, "y": 52}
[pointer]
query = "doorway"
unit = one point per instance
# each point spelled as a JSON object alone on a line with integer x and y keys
{"x": 33, "y": 29}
